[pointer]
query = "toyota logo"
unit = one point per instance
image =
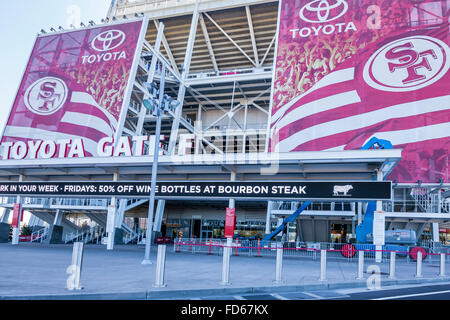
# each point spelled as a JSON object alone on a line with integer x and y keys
{"x": 319, "y": 11}
{"x": 108, "y": 40}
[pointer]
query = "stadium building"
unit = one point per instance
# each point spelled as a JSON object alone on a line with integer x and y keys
{"x": 289, "y": 90}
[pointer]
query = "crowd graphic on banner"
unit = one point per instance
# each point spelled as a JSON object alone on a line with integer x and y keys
{"x": 74, "y": 87}
{"x": 110, "y": 93}
{"x": 303, "y": 62}
{"x": 333, "y": 76}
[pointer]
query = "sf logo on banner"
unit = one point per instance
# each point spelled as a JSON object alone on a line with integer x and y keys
{"x": 407, "y": 64}
{"x": 46, "y": 96}
{"x": 408, "y": 58}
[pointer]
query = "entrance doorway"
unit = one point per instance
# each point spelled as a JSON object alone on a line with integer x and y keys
{"x": 195, "y": 228}
{"x": 207, "y": 234}
{"x": 339, "y": 232}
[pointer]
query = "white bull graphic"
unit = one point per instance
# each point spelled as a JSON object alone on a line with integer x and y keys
{"x": 342, "y": 189}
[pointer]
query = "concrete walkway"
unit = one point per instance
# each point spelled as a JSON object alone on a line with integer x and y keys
{"x": 37, "y": 271}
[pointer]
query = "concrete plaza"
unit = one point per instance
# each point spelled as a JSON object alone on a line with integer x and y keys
{"x": 38, "y": 271}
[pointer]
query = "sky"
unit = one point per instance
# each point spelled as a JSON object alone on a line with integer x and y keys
{"x": 21, "y": 21}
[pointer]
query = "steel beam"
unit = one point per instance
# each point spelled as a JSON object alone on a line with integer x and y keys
{"x": 229, "y": 38}
{"x": 167, "y": 48}
{"x": 208, "y": 43}
{"x": 150, "y": 76}
{"x": 268, "y": 50}
{"x": 185, "y": 73}
{"x": 252, "y": 34}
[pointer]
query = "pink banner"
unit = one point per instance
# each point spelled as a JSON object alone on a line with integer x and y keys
{"x": 73, "y": 88}
{"x": 348, "y": 71}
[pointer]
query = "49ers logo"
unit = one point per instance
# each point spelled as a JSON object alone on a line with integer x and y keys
{"x": 407, "y": 64}
{"x": 46, "y": 95}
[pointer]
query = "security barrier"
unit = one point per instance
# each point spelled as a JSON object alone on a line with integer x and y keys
{"x": 335, "y": 251}
{"x": 323, "y": 251}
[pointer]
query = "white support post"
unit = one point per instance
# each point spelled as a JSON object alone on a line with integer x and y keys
{"x": 58, "y": 217}
{"x": 160, "y": 266}
{"x": 244, "y": 134}
{"x": 198, "y": 128}
{"x": 268, "y": 214}
{"x": 392, "y": 265}
{"x": 226, "y": 262}
{"x": 110, "y": 224}
{"x": 360, "y": 265}
{"x": 354, "y": 227}
{"x": 279, "y": 264}
{"x": 16, "y": 230}
{"x": 111, "y": 219}
{"x": 378, "y": 248}
{"x": 359, "y": 213}
{"x": 151, "y": 203}
{"x": 323, "y": 265}
{"x": 435, "y": 231}
{"x": 378, "y": 254}
{"x": 419, "y": 265}
{"x": 442, "y": 266}
{"x": 439, "y": 201}
{"x": 227, "y": 248}
{"x": 74, "y": 280}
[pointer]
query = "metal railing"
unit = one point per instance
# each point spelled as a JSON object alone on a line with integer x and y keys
{"x": 309, "y": 250}
{"x": 91, "y": 235}
{"x": 68, "y": 202}
{"x": 429, "y": 200}
{"x": 80, "y": 202}
{"x": 148, "y": 5}
{"x": 39, "y": 235}
{"x": 25, "y": 201}
{"x": 315, "y": 206}
{"x": 228, "y": 72}
{"x": 136, "y": 237}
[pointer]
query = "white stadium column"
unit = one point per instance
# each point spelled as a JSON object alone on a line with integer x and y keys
{"x": 268, "y": 216}
{"x": 5, "y": 216}
{"x": 111, "y": 219}
{"x": 435, "y": 231}
{"x": 58, "y": 217}
{"x": 227, "y": 249}
{"x": 16, "y": 230}
{"x": 378, "y": 248}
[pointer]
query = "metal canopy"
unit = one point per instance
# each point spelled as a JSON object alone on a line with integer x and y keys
{"x": 292, "y": 166}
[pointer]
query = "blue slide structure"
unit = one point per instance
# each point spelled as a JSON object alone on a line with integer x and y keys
{"x": 291, "y": 218}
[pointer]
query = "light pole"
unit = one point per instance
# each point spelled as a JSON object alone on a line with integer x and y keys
{"x": 157, "y": 108}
